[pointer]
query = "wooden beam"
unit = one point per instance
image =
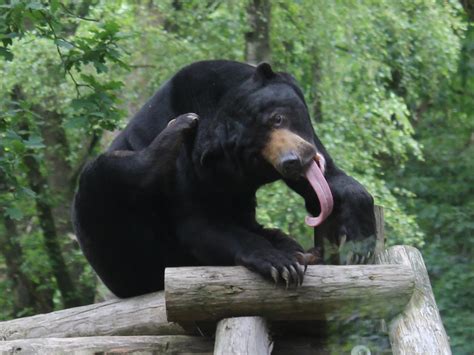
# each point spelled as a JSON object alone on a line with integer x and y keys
{"x": 143, "y": 315}
{"x": 328, "y": 292}
{"x": 380, "y": 230}
{"x": 242, "y": 335}
{"x": 166, "y": 344}
{"x": 418, "y": 329}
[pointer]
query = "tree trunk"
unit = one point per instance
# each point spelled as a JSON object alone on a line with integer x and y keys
{"x": 25, "y": 294}
{"x": 61, "y": 190}
{"x": 317, "y": 102}
{"x": 257, "y": 40}
{"x": 59, "y": 170}
{"x": 38, "y": 184}
{"x": 468, "y": 6}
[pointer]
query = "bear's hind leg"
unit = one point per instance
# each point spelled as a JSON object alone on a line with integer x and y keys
{"x": 121, "y": 228}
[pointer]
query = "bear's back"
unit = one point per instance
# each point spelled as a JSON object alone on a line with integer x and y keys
{"x": 197, "y": 88}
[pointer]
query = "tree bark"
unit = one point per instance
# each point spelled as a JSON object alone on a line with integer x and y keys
{"x": 317, "y": 103}
{"x": 418, "y": 329}
{"x": 257, "y": 39}
{"x": 38, "y": 184}
{"x": 143, "y": 315}
{"x": 242, "y": 335}
{"x": 468, "y": 6}
{"x": 59, "y": 170}
{"x": 175, "y": 344}
{"x": 61, "y": 192}
{"x": 335, "y": 292}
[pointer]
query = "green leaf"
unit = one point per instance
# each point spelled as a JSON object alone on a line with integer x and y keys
{"x": 34, "y": 142}
{"x": 76, "y": 122}
{"x": 54, "y": 5}
{"x": 63, "y": 43}
{"x": 6, "y": 53}
{"x": 14, "y": 213}
{"x": 35, "y": 5}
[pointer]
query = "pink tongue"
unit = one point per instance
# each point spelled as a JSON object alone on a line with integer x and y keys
{"x": 318, "y": 182}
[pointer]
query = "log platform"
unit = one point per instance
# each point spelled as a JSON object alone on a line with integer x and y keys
{"x": 231, "y": 310}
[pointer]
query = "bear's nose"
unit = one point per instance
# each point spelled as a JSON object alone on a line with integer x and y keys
{"x": 290, "y": 165}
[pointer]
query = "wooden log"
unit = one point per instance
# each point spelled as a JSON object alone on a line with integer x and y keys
{"x": 380, "y": 230}
{"x": 143, "y": 315}
{"x": 328, "y": 292}
{"x": 165, "y": 344}
{"x": 242, "y": 335}
{"x": 418, "y": 329}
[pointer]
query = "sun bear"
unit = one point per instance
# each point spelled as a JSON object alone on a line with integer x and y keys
{"x": 177, "y": 186}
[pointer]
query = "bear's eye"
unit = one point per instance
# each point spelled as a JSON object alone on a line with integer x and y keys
{"x": 277, "y": 119}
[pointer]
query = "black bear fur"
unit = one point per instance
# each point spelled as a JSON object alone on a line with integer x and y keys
{"x": 182, "y": 192}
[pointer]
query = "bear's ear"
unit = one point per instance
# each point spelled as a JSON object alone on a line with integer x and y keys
{"x": 264, "y": 71}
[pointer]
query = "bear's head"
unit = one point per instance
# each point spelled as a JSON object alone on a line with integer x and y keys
{"x": 262, "y": 130}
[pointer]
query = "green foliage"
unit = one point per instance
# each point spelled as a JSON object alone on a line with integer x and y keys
{"x": 366, "y": 67}
{"x": 57, "y": 65}
{"x": 388, "y": 83}
{"x": 444, "y": 184}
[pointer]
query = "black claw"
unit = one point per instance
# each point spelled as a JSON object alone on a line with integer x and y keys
{"x": 300, "y": 271}
{"x": 294, "y": 275}
{"x": 302, "y": 260}
{"x": 274, "y": 273}
{"x": 285, "y": 274}
{"x": 349, "y": 258}
{"x": 306, "y": 259}
{"x": 192, "y": 115}
{"x": 342, "y": 241}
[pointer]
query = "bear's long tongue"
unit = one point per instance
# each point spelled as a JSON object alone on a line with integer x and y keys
{"x": 315, "y": 176}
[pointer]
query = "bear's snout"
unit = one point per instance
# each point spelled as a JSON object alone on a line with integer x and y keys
{"x": 290, "y": 164}
{"x": 288, "y": 153}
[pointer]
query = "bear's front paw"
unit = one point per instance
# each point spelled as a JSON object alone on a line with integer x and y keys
{"x": 275, "y": 265}
{"x": 185, "y": 122}
{"x": 357, "y": 229}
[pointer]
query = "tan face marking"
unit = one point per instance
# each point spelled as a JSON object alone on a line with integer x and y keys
{"x": 283, "y": 141}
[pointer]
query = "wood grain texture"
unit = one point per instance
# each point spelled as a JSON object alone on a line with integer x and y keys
{"x": 143, "y": 315}
{"x": 380, "y": 230}
{"x": 328, "y": 292}
{"x": 242, "y": 335}
{"x": 166, "y": 344}
{"x": 419, "y": 328}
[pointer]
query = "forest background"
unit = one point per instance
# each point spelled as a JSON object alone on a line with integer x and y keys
{"x": 390, "y": 87}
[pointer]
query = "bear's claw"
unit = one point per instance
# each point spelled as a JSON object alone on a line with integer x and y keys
{"x": 285, "y": 274}
{"x": 275, "y": 265}
{"x": 356, "y": 251}
{"x": 188, "y": 120}
{"x": 274, "y": 274}
{"x": 309, "y": 258}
